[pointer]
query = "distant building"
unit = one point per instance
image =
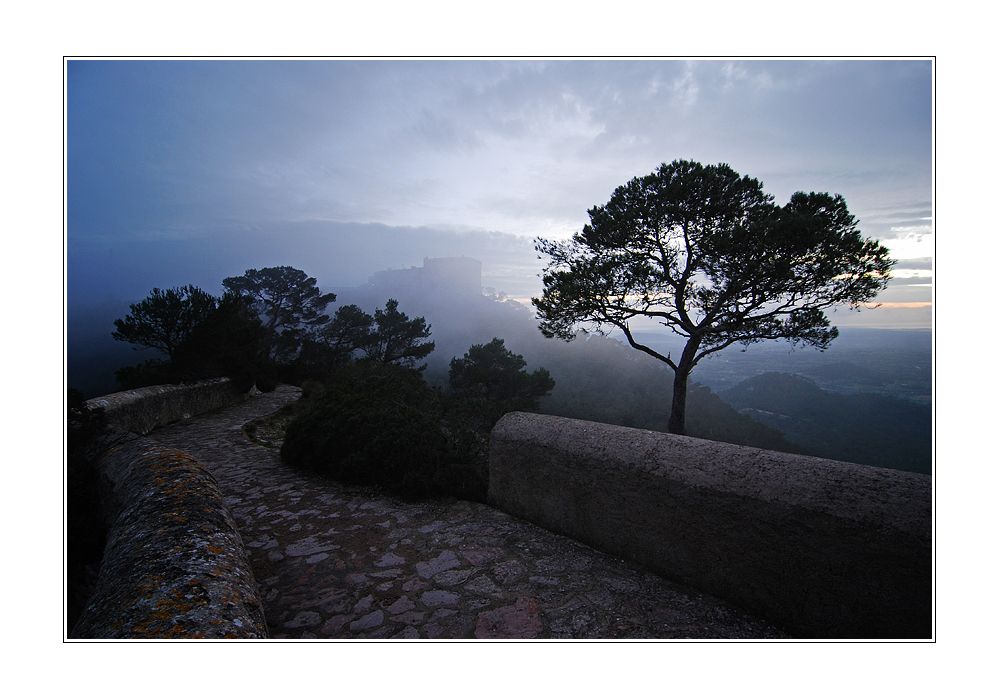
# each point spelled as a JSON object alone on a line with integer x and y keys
{"x": 460, "y": 276}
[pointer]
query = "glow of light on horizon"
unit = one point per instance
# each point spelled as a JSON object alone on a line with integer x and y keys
{"x": 912, "y": 242}
{"x": 908, "y": 273}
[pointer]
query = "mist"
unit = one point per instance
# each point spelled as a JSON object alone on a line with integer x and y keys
{"x": 878, "y": 380}
{"x": 338, "y": 255}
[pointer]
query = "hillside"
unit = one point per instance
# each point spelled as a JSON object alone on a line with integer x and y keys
{"x": 865, "y": 428}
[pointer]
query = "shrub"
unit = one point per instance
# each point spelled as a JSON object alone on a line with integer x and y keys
{"x": 267, "y": 381}
{"x": 381, "y": 424}
{"x": 148, "y": 373}
{"x": 495, "y": 373}
{"x": 311, "y": 389}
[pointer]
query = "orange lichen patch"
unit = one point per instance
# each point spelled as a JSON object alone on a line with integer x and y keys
{"x": 174, "y": 516}
{"x": 147, "y": 586}
{"x": 169, "y": 516}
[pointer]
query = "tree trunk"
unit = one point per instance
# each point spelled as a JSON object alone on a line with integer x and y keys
{"x": 678, "y": 406}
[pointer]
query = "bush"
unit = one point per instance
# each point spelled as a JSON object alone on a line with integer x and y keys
{"x": 381, "y": 424}
{"x": 495, "y": 373}
{"x": 311, "y": 389}
{"x": 148, "y": 373}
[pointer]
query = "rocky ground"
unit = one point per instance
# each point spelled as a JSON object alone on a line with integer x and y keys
{"x": 337, "y": 561}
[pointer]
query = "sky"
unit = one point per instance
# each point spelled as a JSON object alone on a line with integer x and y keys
{"x": 186, "y": 172}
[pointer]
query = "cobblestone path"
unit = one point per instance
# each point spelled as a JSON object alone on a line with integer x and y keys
{"x": 337, "y": 561}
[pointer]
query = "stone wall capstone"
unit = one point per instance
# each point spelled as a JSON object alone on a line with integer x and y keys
{"x": 827, "y": 549}
{"x": 174, "y": 565}
{"x": 142, "y": 410}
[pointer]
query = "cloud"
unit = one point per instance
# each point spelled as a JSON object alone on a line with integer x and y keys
{"x": 914, "y": 264}
{"x": 685, "y": 89}
{"x": 185, "y": 158}
{"x": 885, "y": 316}
{"x": 444, "y": 134}
{"x": 387, "y": 141}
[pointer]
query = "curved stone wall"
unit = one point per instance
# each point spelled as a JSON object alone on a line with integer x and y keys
{"x": 141, "y": 410}
{"x": 827, "y": 549}
{"x": 174, "y": 565}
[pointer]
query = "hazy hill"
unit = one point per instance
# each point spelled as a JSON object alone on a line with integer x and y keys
{"x": 893, "y": 362}
{"x": 864, "y": 428}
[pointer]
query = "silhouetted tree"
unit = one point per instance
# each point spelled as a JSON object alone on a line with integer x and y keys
{"x": 494, "y": 372}
{"x": 288, "y": 303}
{"x": 707, "y": 254}
{"x": 396, "y": 337}
{"x": 348, "y": 331}
{"x": 379, "y": 423}
{"x": 335, "y": 343}
{"x": 165, "y": 318}
{"x": 230, "y": 342}
{"x": 148, "y": 373}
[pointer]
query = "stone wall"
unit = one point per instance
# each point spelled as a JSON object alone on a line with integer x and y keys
{"x": 174, "y": 565}
{"x": 141, "y": 410}
{"x": 827, "y": 549}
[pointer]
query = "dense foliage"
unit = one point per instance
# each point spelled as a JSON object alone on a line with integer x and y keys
{"x": 268, "y": 326}
{"x": 165, "y": 318}
{"x": 288, "y": 304}
{"x": 398, "y": 339}
{"x": 707, "y": 254}
{"x": 225, "y": 339}
{"x": 381, "y": 424}
{"x": 493, "y": 372}
{"x": 389, "y": 336}
{"x": 229, "y": 343}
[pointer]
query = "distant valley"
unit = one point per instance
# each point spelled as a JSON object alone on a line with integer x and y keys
{"x": 896, "y": 363}
{"x": 865, "y": 428}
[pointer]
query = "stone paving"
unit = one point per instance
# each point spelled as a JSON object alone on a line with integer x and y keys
{"x": 339, "y": 561}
